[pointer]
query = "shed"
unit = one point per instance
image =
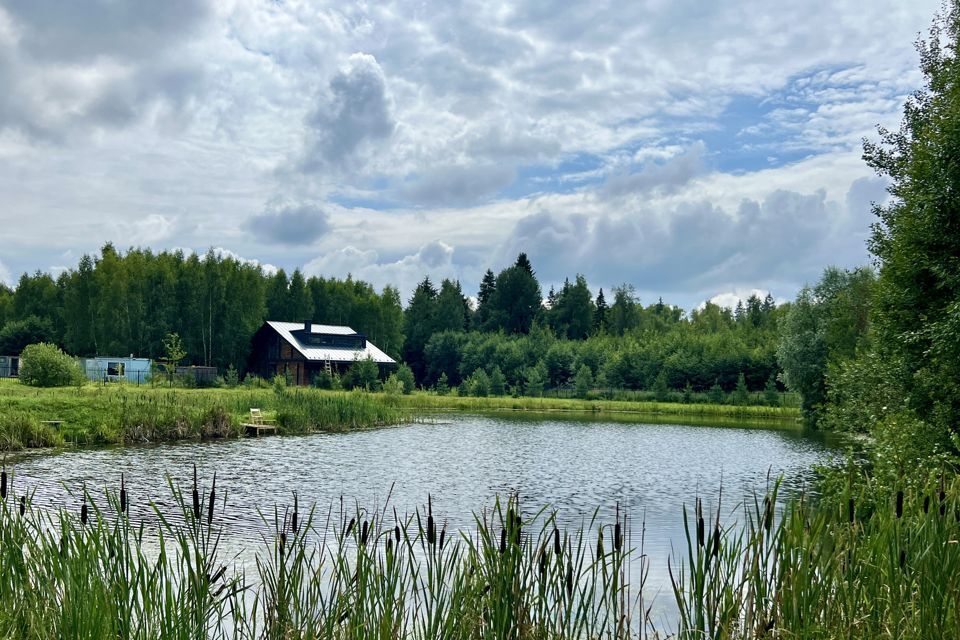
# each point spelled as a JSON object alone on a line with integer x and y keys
{"x": 302, "y": 350}
{"x": 115, "y": 369}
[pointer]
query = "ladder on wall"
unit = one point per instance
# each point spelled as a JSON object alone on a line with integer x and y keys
{"x": 327, "y": 367}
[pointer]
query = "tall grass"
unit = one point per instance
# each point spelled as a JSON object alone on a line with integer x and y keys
{"x": 123, "y": 414}
{"x": 854, "y": 567}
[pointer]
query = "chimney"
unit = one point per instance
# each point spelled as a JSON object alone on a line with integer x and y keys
{"x": 307, "y": 326}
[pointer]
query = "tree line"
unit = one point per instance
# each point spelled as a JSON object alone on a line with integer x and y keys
{"x": 122, "y": 303}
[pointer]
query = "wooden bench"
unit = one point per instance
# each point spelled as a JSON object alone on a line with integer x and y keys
{"x": 258, "y": 425}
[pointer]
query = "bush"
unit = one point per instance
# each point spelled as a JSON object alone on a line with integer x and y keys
{"x": 741, "y": 396}
{"x": 535, "y": 378}
{"x": 323, "y": 380}
{"x": 661, "y": 392}
{"x": 716, "y": 394}
{"x": 45, "y": 365}
{"x": 405, "y": 375}
{"x": 443, "y": 386}
{"x": 583, "y": 381}
{"x": 498, "y": 383}
{"x": 771, "y": 396}
{"x": 479, "y": 383}
{"x": 393, "y": 386}
{"x": 365, "y": 374}
{"x": 232, "y": 378}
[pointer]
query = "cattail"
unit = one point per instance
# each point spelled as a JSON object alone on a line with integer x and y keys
{"x": 557, "y": 549}
{"x": 123, "y": 495}
{"x": 23, "y": 505}
{"x": 431, "y": 525}
{"x": 569, "y": 579}
{"x": 396, "y": 532}
{"x": 83, "y": 513}
{"x": 942, "y": 498}
{"x": 617, "y": 532}
{"x": 3, "y": 484}
{"x": 294, "y": 523}
{"x": 716, "y": 541}
{"x": 353, "y": 521}
{"x": 196, "y": 495}
{"x": 903, "y": 558}
{"x": 700, "y": 526}
{"x": 899, "y": 504}
{"x": 767, "y": 514}
{"x": 283, "y": 543}
{"x": 503, "y": 540}
{"x": 213, "y": 498}
{"x": 363, "y": 533}
{"x": 543, "y": 563}
{"x": 851, "y": 510}
{"x": 926, "y": 504}
{"x": 518, "y": 530}
{"x": 443, "y": 536}
{"x": 600, "y": 553}
{"x": 389, "y": 545}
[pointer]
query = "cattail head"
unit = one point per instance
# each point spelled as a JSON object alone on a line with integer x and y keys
{"x": 851, "y": 510}
{"x": 903, "y": 558}
{"x": 396, "y": 532}
{"x": 23, "y": 505}
{"x": 123, "y": 495}
{"x": 899, "y": 507}
{"x": 443, "y": 536}
{"x": 353, "y": 521}
{"x": 557, "y": 549}
{"x": 3, "y": 484}
{"x": 294, "y": 524}
{"x": 364, "y": 531}
{"x": 600, "y": 553}
{"x": 543, "y": 563}
{"x": 569, "y": 579}
{"x": 503, "y": 540}
{"x": 83, "y": 513}
{"x": 700, "y": 531}
{"x": 213, "y": 499}
{"x": 617, "y": 532}
{"x": 926, "y": 504}
{"x": 716, "y": 541}
{"x": 767, "y": 514}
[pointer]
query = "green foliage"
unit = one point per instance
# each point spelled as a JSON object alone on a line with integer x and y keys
{"x": 741, "y": 395}
{"x": 232, "y": 377}
{"x": 17, "y": 334}
{"x": 917, "y": 238}
{"x": 535, "y": 378}
{"x": 45, "y": 365}
{"x": 405, "y": 375}
{"x": 559, "y": 360}
{"x": 583, "y": 381}
{"x": 687, "y": 396}
{"x": 716, "y": 394}
{"x": 443, "y": 386}
{"x": 516, "y": 299}
{"x": 365, "y": 374}
{"x": 22, "y": 429}
{"x": 771, "y": 396}
{"x": 498, "y": 383}
{"x": 661, "y": 392}
{"x": 323, "y": 380}
{"x": 479, "y": 384}
{"x": 393, "y": 386}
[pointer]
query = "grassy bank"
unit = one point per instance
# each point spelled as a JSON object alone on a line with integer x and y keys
{"x": 424, "y": 401}
{"x": 857, "y": 567}
{"x": 118, "y": 414}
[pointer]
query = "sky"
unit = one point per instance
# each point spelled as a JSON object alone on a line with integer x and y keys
{"x": 695, "y": 150}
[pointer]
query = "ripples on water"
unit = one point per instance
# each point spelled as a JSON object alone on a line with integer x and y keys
{"x": 574, "y": 466}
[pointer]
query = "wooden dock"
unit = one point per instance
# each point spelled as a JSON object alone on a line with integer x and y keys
{"x": 257, "y": 430}
{"x": 258, "y": 425}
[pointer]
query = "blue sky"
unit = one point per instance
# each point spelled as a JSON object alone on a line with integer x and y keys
{"x": 696, "y": 150}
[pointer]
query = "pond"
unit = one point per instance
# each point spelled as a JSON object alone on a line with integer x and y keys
{"x": 462, "y": 461}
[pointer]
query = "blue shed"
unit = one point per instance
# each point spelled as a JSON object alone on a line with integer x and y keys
{"x": 115, "y": 369}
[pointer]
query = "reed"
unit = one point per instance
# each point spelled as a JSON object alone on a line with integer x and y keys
{"x": 794, "y": 571}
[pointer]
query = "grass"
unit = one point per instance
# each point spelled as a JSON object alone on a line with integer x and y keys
{"x": 431, "y": 402}
{"x": 123, "y": 414}
{"x": 866, "y": 564}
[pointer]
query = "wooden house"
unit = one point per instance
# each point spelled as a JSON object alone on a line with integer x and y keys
{"x": 302, "y": 350}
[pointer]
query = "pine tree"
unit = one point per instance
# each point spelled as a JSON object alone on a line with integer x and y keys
{"x": 600, "y": 316}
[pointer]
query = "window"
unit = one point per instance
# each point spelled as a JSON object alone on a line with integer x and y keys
{"x": 115, "y": 369}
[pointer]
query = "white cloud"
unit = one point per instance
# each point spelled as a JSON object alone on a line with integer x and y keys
{"x": 5, "y": 276}
{"x": 289, "y": 223}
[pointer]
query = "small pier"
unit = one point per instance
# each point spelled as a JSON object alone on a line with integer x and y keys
{"x": 258, "y": 425}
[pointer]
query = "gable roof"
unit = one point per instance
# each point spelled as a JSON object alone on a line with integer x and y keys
{"x": 333, "y": 354}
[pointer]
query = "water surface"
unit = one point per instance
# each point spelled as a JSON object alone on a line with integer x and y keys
{"x": 463, "y": 461}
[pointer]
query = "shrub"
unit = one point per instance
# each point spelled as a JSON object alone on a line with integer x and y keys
{"x": 498, "y": 383}
{"x": 771, "y": 396}
{"x": 405, "y": 375}
{"x": 741, "y": 396}
{"x": 323, "y": 380}
{"x": 365, "y": 374}
{"x": 443, "y": 386}
{"x": 393, "y": 386}
{"x": 583, "y": 381}
{"x": 661, "y": 392}
{"x": 479, "y": 383}
{"x": 716, "y": 393}
{"x": 45, "y": 365}
{"x": 535, "y": 378}
{"x": 232, "y": 378}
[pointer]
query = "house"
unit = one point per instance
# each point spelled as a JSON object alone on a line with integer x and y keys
{"x": 115, "y": 369}
{"x": 9, "y": 366}
{"x": 302, "y": 350}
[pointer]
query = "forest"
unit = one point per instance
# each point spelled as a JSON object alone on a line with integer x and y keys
{"x": 128, "y": 302}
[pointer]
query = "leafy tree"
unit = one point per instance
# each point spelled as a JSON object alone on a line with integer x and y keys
{"x": 559, "y": 360}
{"x": 741, "y": 395}
{"x": 365, "y": 374}
{"x": 323, "y": 380}
{"x": 498, "y": 383}
{"x": 232, "y": 378}
{"x": 405, "y": 375}
{"x": 624, "y": 314}
{"x": 661, "y": 392}
{"x": 16, "y": 335}
{"x": 45, "y": 365}
{"x": 479, "y": 383}
{"x": 299, "y": 303}
{"x": 573, "y": 313}
{"x": 687, "y": 396}
{"x": 534, "y": 380}
{"x": 583, "y": 381}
